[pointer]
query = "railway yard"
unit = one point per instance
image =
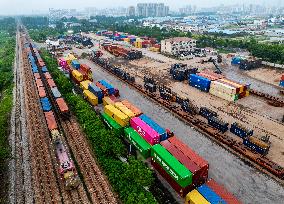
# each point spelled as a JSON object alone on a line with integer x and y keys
{"x": 54, "y": 162}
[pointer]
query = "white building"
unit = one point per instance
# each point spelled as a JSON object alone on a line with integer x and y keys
{"x": 174, "y": 46}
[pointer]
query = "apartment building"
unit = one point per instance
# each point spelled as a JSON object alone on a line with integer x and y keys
{"x": 175, "y": 46}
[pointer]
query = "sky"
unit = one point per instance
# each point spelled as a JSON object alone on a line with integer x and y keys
{"x": 11, "y": 7}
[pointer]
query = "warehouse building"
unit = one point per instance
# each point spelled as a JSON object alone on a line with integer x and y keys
{"x": 175, "y": 46}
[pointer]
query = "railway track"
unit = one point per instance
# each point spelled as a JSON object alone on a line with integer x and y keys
{"x": 260, "y": 162}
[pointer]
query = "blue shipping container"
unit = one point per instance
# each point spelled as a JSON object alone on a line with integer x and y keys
{"x": 162, "y": 132}
{"x": 199, "y": 82}
{"x": 97, "y": 91}
{"x": 34, "y": 70}
{"x": 45, "y": 104}
{"x": 210, "y": 195}
{"x": 108, "y": 86}
{"x": 76, "y": 64}
{"x": 281, "y": 83}
{"x": 44, "y": 69}
{"x": 55, "y": 92}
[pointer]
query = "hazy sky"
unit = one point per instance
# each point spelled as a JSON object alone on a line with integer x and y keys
{"x": 27, "y": 6}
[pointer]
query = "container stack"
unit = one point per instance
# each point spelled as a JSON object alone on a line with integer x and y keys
{"x": 117, "y": 115}
{"x": 199, "y": 82}
{"x": 282, "y": 81}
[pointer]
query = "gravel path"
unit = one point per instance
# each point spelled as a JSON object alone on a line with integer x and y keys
{"x": 248, "y": 184}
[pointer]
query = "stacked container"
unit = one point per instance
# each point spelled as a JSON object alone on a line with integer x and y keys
{"x": 84, "y": 85}
{"x": 177, "y": 171}
{"x": 210, "y": 195}
{"x": 199, "y": 82}
{"x": 112, "y": 124}
{"x": 90, "y": 97}
{"x": 131, "y": 107}
{"x": 194, "y": 197}
{"x": 162, "y": 132}
{"x": 124, "y": 109}
{"x": 117, "y": 115}
{"x": 134, "y": 138}
{"x": 108, "y": 86}
{"x": 96, "y": 91}
{"x": 210, "y": 75}
{"x": 76, "y": 76}
{"x": 241, "y": 89}
{"x": 150, "y": 135}
{"x": 224, "y": 91}
{"x": 75, "y": 64}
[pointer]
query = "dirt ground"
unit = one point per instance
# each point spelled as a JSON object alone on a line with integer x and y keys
{"x": 267, "y": 75}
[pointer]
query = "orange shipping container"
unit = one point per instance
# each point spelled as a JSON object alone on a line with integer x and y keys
{"x": 37, "y": 76}
{"x": 50, "y": 119}
{"x": 39, "y": 83}
{"x": 41, "y": 92}
{"x": 47, "y": 75}
{"x": 51, "y": 83}
{"x": 62, "y": 105}
{"x": 131, "y": 107}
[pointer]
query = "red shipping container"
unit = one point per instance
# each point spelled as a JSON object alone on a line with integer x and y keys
{"x": 41, "y": 92}
{"x": 113, "y": 98}
{"x": 282, "y": 78}
{"x": 198, "y": 175}
{"x": 50, "y": 119}
{"x": 181, "y": 191}
{"x": 39, "y": 83}
{"x": 198, "y": 160}
{"x": 37, "y": 76}
{"x": 51, "y": 83}
{"x": 62, "y": 105}
{"x": 103, "y": 88}
{"x": 222, "y": 192}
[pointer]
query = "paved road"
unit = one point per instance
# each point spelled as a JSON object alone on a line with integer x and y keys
{"x": 249, "y": 185}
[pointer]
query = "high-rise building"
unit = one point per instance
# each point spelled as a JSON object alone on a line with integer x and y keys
{"x": 56, "y": 14}
{"x": 152, "y": 10}
{"x": 131, "y": 11}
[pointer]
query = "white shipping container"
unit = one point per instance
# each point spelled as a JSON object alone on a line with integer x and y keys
{"x": 223, "y": 87}
{"x": 225, "y": 96}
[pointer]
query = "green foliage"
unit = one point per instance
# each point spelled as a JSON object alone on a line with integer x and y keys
{"x": 129, "y": 179}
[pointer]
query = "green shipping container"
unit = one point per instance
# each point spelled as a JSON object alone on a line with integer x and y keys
{"x": 112, "y": 123}
{"x": 171, "y": 165}
{"x": 135, "y": 139}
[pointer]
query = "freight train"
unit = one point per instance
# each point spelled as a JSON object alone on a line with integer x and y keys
{"x": 50, "y": 97}
{"x": 181, "y": 167}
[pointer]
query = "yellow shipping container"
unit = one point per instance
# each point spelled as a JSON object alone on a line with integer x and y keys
{"x": 247, "y": 93}
{"x": 223, "y": 87}
{"x": 117, "y": 115}
{"x": 124, "y": 109}
{"x": 85, "y": 85}
{"x": 233, "y": 83}
{"x": 69, "y": 58}
{"x": 225, "y": 96}
{"x": 107, "y": 101}
{"x": 194, "y": 197}
{"x": 138, "y": 44}
{"x": 77, "y": 75}
{"x": 126, "y": 40}
{"x": 91, "y": 97}
{"x": 156, "y": 49}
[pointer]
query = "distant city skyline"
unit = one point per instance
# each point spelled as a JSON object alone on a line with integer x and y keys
{"x": 12, "y": 7}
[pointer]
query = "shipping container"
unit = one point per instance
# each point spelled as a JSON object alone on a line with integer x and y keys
{"x": 112, "y": 124}
{"x": 240, "y": 87}
{"x": 45, "y": 104}
{"x": 171, "y": 165}
{"x": 44, "y": 69}
{"x": 281, "y": 83}
{"x": 162, "y": 132}
{"x": 199, "y": 82}
{"x": 62, "y": 106}
{"x": 109, "y": 87}
{"x": 194, "y": 197}
{"x": 77, "y": 75}
{"x": 103, "y": 88}
{"x": 117, "y": 115}
{"x": 210, "y": 75}
{"x": 124, "y": 109}
{"x": 47, "y": 75}
{"x": 50, "y": 119}
{"x": 222, "y": 192}
{"x": 84, "y": 85}
{"x": 36, "y": 76}
{"x": 75, "y": 64}
{"x": 91, "y": 97}
{"x": 131, "y": 107}
{"x": 141, "y": 145}
{"x": 39, "y": 83}
{"x": 108, "y": 101}
{"x": 41, "y": 92}
{"x": 222, "y": 95}
{"x": 149, "y": 134}
{"x": 200, "y": 175}
{"x": 240, "y": 131}
{"x": 210, "y": 195}
{"x": 222, "y": 87}
{"x": 179, "y": 190}
{"x": 97, "y": 91}
{"x": 55, "y": 92}
{"x": 51, "y": 83}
